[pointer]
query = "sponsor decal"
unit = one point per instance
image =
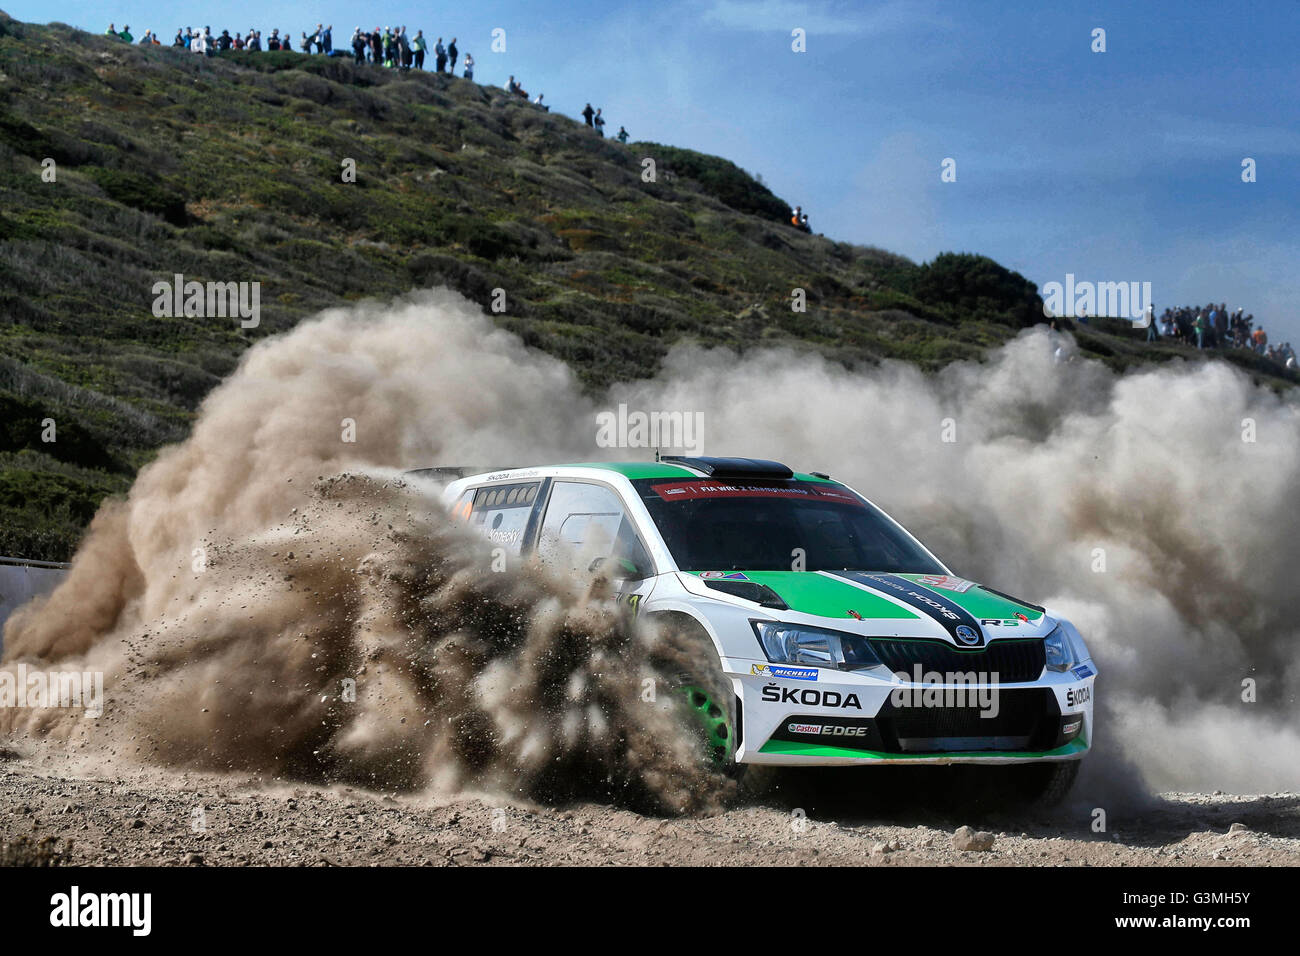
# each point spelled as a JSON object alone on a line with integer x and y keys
{"x": 723, "y": 576}
{"x": 946, "y": 581}
{"x": 1082, "y": 671}
{"x": 689, "y": 490}
{"x": 810, "y": 697}
{"x": 784, "y": 671}
{"x": 855, "y": 615}
{"x": 1077, "y": 696}
{"x": 827, "y": 730}
{"x": 710, "y": 575}
{"x": 952, "y": 616}
{"x": 999, "y": 622}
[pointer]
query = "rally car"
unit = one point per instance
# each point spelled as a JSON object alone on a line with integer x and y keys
{"x": 829, "y": 635}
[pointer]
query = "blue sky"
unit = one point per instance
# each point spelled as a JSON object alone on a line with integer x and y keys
{"x": 1115, "y": 166}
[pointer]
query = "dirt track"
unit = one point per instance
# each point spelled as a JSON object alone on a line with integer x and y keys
{"x": 149, "y": 816}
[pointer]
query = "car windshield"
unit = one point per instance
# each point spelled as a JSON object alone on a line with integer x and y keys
{"x": 752, "y": 525}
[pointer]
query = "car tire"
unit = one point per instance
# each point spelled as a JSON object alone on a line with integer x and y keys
{"x": 686, "y": 653}
{"x": 1047, "y": 784}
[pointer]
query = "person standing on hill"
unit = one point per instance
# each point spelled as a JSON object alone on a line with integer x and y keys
{"x": 358, "y": 46}
{"x": 440, "y": 56}
{"x": 452, "y": 53}
{"x": 376, "y": 47}
{"x": 419, "y": 44}
{"x": 598, "y": 122}
{"x": 405, "y": 52}
{"x": 327, "y": 40}
{"x": 469, "y": 66}
{"x": 588, "y": 113}
{"x": 622, "y": 135}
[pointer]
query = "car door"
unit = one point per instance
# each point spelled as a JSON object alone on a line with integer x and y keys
{"x": 586, "y": 528}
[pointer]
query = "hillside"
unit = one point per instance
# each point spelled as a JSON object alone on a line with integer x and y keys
{"x": 229, "y": 169}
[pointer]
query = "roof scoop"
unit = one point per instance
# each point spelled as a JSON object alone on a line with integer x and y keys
{"x": 733, "y": 467}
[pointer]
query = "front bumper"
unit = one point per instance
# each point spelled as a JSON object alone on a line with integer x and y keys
{"x": 814, "y": 716}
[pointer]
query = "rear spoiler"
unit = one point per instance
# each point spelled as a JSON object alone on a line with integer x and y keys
{"x": 451, "y": 472}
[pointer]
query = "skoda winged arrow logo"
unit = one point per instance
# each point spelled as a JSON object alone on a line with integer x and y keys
{"x": 967, "y": 635}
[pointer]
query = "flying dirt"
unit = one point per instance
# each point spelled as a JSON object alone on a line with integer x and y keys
{"x": 274, "y": 598}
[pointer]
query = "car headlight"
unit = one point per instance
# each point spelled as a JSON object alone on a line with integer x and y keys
{"x": 1064, "y": 649}
{"x": 797, "y": 644}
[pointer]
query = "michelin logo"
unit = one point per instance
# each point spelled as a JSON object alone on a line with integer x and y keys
{"x": 784, "y": 672}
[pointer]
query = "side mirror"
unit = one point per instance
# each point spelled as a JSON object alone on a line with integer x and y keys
{"x": 624, "y": 567}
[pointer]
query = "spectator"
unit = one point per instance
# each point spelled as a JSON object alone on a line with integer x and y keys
{"x": 452, "y": 53}
{"x": 418, "y": 45}
{"x": 469, "y": 66}
{"x": 376, "y": 48}
{"x": 1201, "y": 325}
{"x": 358, "y": 46}
{"x": 440, "y": 56}
{"x": 587, "y": 112}
{"x": 598, "y": 122}
{"x": 622, "y": 135}
{"x": 326, "y": 39}
{"x": 126, "y": 33}
{"x": 180, "y": 39}
{"x": 224, "y": 42}
{"x": 111, "y": 31}
{"x": 404, "y": 52}
{"x": 538, "y": 102}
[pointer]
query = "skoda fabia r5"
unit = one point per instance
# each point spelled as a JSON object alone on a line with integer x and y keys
{"x": 828, "y": 634}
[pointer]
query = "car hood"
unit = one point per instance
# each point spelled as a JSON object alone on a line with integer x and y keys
{"x": 962, "y": 612}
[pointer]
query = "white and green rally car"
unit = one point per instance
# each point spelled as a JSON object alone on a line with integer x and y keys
{"x": 837, "y": 638}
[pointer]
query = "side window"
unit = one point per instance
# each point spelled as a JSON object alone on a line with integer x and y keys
{"x": 586, "y": 525}
{"x": 500, "y": 512}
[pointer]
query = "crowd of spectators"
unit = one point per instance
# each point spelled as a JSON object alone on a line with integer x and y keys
{"x": 389, "y": 47}
{"x": 1215, "y": 327}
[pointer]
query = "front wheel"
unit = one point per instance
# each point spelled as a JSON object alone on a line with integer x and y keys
{"x": 1046, "y": 784}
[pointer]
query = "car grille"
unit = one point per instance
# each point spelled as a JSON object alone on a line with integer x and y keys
{"x": 1027, "y": 719}
{"x": 1014, "y": 661}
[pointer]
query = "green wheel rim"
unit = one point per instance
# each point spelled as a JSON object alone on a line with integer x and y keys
{"x": 712, "y": 721}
